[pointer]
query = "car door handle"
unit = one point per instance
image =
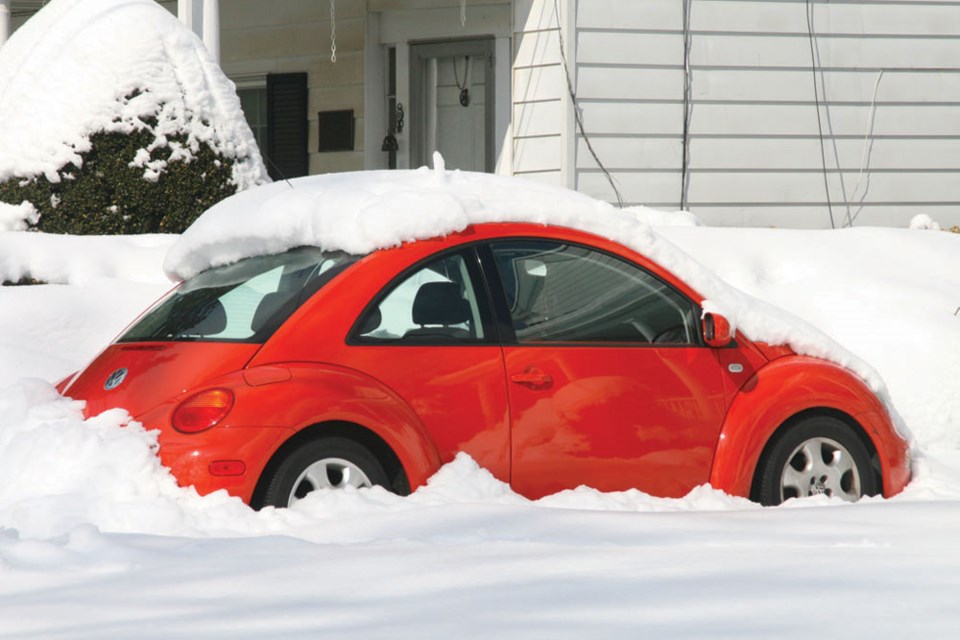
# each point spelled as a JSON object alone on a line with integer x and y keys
{"x": 532, "y": 378}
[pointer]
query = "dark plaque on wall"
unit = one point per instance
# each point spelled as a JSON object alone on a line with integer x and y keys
{"x": 336, "y": 130}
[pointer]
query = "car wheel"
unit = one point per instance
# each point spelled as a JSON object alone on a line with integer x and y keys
{"x": 819, "y": 455}
{"x": 327, "y": 463}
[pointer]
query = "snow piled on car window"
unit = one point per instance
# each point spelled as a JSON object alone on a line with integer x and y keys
{"x": 80, "y": 66}
{"x": 364, "y": 211}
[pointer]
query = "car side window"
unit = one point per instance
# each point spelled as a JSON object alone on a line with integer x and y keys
{"x": 437, "y": 303}
{"x": 558, "y": 292}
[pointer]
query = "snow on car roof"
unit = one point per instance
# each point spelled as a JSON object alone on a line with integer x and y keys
{"x": 364, "y": 211}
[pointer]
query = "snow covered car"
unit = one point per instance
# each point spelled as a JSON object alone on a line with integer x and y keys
{"x": 363, "y": 329}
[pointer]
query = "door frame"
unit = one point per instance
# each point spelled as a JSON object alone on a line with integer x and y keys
{"x": 420, "y": 53}
{"x": 399, "y": 28}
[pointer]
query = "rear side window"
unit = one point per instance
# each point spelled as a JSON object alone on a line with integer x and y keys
{"x": 569, "y": 293}
{"x": 437, "y": 303}
{"x": 242, "y": 302}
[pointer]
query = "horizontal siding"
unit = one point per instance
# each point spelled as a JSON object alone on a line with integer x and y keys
{"x": 766, "y": 154}
{"x": 760, "y": 50}
{"x": 784, "y": 120}
{"x": 889, "y": 92}
{"x": 601, "y": 82}
{"x": 816, "y": 217}
{"x": 539, "y": 89}
{"x": 537, "y": 154}
{"x": 758, "y": 189}
{"x": 850, "y": 17}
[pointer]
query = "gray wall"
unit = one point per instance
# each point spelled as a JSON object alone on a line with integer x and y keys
{"x": 754, "y": 142}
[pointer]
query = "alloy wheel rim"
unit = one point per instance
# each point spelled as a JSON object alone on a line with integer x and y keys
{"x": 328, "y": 473}
{"x": 820, "y": 466}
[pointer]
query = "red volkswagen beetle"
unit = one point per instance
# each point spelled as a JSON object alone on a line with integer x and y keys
{"x": 553, "y": 356}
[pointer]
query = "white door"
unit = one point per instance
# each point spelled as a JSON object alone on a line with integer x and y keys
{"x": 452, "y": 102}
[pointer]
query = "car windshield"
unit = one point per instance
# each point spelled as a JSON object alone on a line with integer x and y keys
{"x": 242, "y": 302}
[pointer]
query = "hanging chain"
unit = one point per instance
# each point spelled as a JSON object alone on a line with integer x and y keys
{"x": 333, "y": 31}
{"x": 463, "y": 13}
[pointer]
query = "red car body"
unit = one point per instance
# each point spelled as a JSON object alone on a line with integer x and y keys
{"x": 543, "y": 417}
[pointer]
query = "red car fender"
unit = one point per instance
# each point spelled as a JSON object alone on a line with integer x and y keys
{"x": 789, "y": 386}
{"x": 322, "y": 393}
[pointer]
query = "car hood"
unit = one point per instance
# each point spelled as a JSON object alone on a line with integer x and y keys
{"x": 139, "y": 376}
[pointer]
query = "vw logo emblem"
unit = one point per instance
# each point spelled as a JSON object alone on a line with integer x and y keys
{"x": 115, "y": 379}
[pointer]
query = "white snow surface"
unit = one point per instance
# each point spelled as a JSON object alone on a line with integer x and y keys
{"x": 73, "y": 68}
{"x": 97, "y": 541}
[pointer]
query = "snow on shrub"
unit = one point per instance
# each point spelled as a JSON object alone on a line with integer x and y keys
{"x": 115, "y": 119}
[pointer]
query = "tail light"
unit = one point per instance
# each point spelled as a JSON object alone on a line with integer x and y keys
{"x": 204, "y": 410}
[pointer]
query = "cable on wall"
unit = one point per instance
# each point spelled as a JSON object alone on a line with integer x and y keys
{"x": 867, "y": 151}
{"x": 687, "y": 106}
{"x": 816, "y": 97}
{"x": 576, "y": 107}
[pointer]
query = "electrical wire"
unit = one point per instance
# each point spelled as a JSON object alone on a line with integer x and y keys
{"x": 867, "y": 150}
{"x": 816, "y": 97}
{"x": 576, "y": 107}
{"x": 687, "y": 106}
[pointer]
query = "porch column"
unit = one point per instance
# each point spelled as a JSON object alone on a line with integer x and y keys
{"x": 211, "y": 28}
{"x": 185, "y": 12}
{"x": 4, "y": 21}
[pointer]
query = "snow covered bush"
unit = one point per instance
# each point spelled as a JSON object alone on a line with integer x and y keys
{"x": 115, "y": 119}
{"x": 106, "y": 193}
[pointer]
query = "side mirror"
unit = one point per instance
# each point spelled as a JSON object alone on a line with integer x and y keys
{"x": 716, "y": 330}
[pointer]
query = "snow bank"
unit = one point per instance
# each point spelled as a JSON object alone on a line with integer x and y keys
{"x": 99, "y": 284}
{"x": 80, "y": 66}
{"x": 364, "y": 211}
{"x": 64, "y": 259}
{"x": 59, "y": 471}
{"x": 889, "y": 296}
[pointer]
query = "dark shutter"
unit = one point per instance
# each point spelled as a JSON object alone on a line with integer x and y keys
{"x": 287, "y": 125}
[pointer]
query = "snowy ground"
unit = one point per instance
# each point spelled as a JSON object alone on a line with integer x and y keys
{"x": 96, "y": 541}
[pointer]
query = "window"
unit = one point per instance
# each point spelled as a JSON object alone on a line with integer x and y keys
{"x": 253, "y": 101}
{"x": 567, "y": 293}
{"x": 275, "y": 106}
{"x": 438, "y": 303}
{"x": 242, "y": 302}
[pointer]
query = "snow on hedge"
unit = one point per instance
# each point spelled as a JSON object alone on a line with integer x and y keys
{"x": 82, "y": 66}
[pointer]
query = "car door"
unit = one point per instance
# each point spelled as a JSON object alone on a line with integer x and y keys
{"x": 429, "y": 337}
{"x": 609, "y": 384}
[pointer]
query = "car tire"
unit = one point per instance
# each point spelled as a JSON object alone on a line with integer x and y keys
{"x": 330, "y": 463}
{"x": 817, "y": 455}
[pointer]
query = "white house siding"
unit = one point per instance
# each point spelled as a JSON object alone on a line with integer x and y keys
{"x": 539, "y": 93}
{"x": 755, "y": 155}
